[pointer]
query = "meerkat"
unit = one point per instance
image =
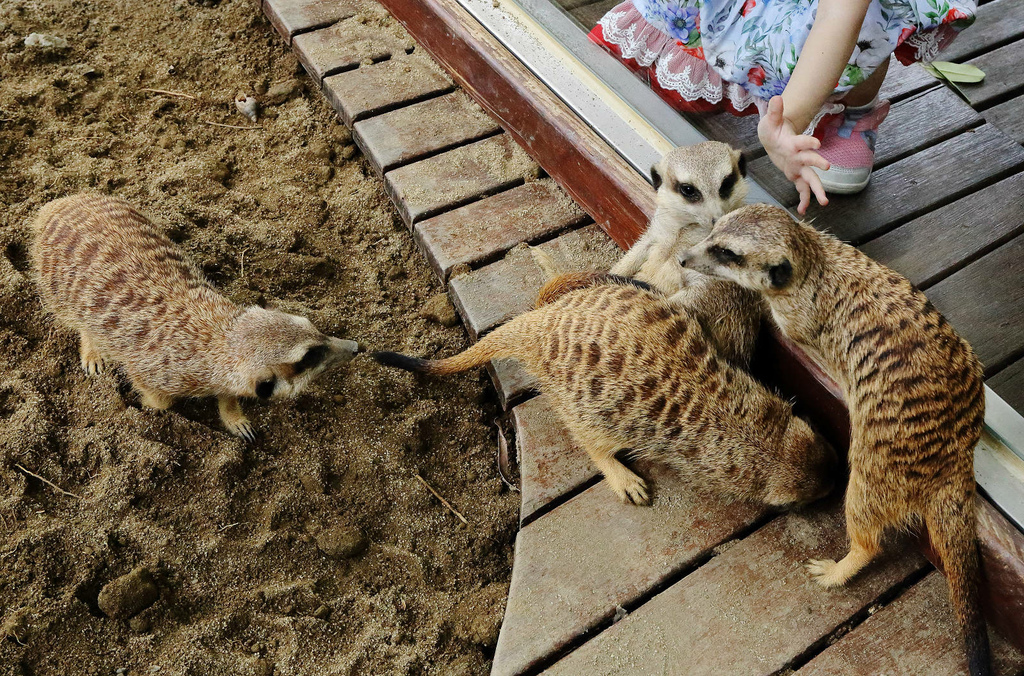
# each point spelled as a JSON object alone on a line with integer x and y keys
{"x": 696, "y": 185}
{"x": 913, "y": 386}
{"x": 624, "y": 370}
{"x": 108, "y": 273}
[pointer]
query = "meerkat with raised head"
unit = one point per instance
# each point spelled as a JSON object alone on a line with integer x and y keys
{"x": 624, "y": 370}
{"x": 108, "y": 273}
{"x": 913, "y": 386}
{"x": 696, "y": 185}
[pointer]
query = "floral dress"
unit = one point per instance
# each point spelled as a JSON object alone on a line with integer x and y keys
{"x": 708, "y": 55}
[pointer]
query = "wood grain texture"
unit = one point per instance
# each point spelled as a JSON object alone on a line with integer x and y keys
{"x": 588, "y": 15}
{"x": 1009, "y": 384}
{"x": 511, "y": 382}
{"x": 380, "y": 87}
{"x": 933, "y": 246}
{"x": 345, "y": 45}
{"x": 420, "y": 129}
{"x": 600, "y": 181}
{"x": 1003, "y": 75}
{"x": 996, "y": 24}
{"x": 750, "y": 610}
{"x": 916, "y": 634}
{"x": 914, "y": 185}
{"x": 289, "y": 17}
{"x": 576, "y": 564}
{"x": 550, "y": 464}
{"x": 902, "y": 81}
{"x": 1008, "y": 117}
{"x": 482, "y": 230}
{"x": 985, "y": 304}
{"x": 497, "y": 292}
{"x": 451, "y": 179}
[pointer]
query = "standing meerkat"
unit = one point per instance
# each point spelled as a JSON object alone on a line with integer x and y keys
{"x": 105, "y": 271}
{"x": 696, "y": 185}
{"x": 624, "y": 370}
{"x": 913, "y": 386}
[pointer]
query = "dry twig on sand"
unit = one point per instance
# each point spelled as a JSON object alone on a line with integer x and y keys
{"x": 443, "y": 501}
{"x": 48, "y": 482}
{"x": 165, "y": 92}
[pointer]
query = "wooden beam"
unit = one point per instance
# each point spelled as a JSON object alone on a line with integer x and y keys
{"x": 600, "y": 181}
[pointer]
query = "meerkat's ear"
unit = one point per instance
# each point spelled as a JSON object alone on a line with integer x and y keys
{"x": 780, "y": 274}
{"x": 656, "y": 176}
{"x": 741, "y": 162}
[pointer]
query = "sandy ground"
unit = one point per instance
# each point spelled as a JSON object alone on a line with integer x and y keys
{"x": 315, "y": 550}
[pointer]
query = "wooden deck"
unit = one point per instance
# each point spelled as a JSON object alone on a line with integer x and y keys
{"x": 689, "y": 585}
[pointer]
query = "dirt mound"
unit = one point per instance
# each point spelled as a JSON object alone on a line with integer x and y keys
{"x": 230, "y": 536}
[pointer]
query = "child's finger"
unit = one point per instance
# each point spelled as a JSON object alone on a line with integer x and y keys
{"x": 806, "y": 142}
{"x": 805, "y": 195}
{"x": 809, "y": 158}
{"x": 812, "y": 180}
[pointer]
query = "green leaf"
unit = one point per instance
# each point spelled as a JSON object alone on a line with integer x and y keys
{"x": 957, "y": 72}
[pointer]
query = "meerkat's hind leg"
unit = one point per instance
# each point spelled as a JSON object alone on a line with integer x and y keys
{"x": 623, "y": 481}
{"x": 152, "y": 398}
{"x": 233, "y": 418}
{"x": 865, "y": 533}
{"x": 93, "y": 362}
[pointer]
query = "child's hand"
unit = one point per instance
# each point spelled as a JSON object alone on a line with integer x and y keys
{"x": 793, "y": 154}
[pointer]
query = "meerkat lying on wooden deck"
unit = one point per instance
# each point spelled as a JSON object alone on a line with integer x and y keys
{"x": 624, "y": 370}
{"x": 913, "y": 386}
{"x": 109, "y": 274}
{"x": 696, "y": 185}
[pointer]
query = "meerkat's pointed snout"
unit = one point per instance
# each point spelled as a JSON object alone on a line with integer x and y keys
{"x": 342, "y": 350}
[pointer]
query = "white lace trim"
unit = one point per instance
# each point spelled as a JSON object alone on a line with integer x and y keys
{"x": 683, "y": 73}
{"x": 926, "y": 44}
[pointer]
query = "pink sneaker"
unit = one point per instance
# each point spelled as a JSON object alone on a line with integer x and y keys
{"x": 848, "y": 143}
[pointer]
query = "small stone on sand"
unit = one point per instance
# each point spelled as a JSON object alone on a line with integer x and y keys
{"x": 341, "y": 542}
{"x": 439, "y": 309}
{"x": 128, "y": 595}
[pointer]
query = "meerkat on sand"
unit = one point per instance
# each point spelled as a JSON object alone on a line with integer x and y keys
{"x": 696, "y": 185}
{"x": 105, "y": 271}
{"x": 624, "y": 370}
{"x": 913, "y": 386}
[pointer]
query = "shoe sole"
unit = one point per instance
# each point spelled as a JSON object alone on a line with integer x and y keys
{"x": 841, "y": 187}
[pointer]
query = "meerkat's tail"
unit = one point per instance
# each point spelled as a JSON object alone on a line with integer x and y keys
{"x": 505, "y": 341}
{"x": 951, "y": 526}
{"x": 573, "y": 281}
{"x": 546, "y": 262}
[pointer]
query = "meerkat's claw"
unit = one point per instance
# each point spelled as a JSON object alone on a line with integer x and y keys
{"x": 93, "y": 366}
{"x": 823, "y": 571}
{"x": 242, "y": 429}
{"x": 630, "y": 488}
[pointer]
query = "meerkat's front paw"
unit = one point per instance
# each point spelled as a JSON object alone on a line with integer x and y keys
{"x": 824, "y": 572}
{"x": 93, "y": 365}
{"x": 629, "y": 487}
{"x": 242, "y": 428}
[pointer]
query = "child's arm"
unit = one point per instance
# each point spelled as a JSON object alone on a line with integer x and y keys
{"x": 820, "y": 64}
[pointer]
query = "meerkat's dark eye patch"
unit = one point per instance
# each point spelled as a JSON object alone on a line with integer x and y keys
{"x": 725, "y": 256}
{"x": 314, "y": 357}
{"x": 781, "y": 274}
{"x": 265, "y": 388}
{"x": 689, "y": 192}
{"x": 728, "y": 184}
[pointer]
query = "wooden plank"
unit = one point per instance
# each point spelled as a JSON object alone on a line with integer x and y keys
{"x": 550, "y": 464}
{"x": 345, "y": 45}
{"x": 1002, "y": 559}
{"x": 1009, "y": 384}
{"x": 996, "y": 24}
{"x": 902, "y": 81}
{"x": 1003, "y": 75}
{"x": 597, "y": 178}
{"x": 379, "y": 87}
{"x": 449, "y": 180}
{"x": 914, "y": 123}
{"x": 985, "y": 304}
{"x": 289, "y": 17}
{"x": 916, "y": 634}
{"x": 511, "y": 382}
{"x": 1009, "y": 117}
{"x": 576, "y": 564}
{"x": 407, "y": 134}
{"x": 482, "y": 230}
{"x": 914, "y": 185}
{"x": 497, "y": 292}
{"x": 750, "y": 610}
{"x": 739, "y": 132}
{"x": 588, "y": 15}
{"x": 943, "y": 241}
